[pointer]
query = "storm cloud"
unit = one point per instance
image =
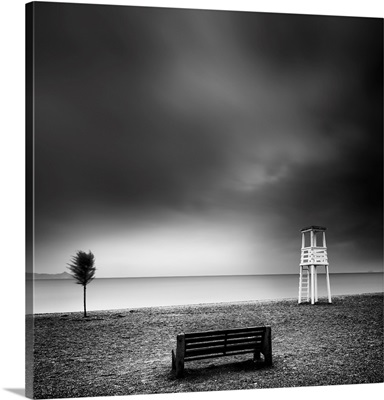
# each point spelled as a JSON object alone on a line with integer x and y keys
{"x": 232, "y": 129}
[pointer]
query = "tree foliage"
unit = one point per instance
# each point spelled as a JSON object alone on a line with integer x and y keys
{"x": 82, "y": 267}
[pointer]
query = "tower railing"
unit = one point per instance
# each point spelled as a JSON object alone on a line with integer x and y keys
{"x": 314, "y": 255}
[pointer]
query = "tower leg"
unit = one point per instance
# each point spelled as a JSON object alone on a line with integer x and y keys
{"x": 316, "y": 294}
{"x": 312, "y": 284}
{"x": 328, "y": 284}
{"x": 300, "y": 283}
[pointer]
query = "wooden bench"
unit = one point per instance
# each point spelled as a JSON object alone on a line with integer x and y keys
{"x": 220, "y": 343}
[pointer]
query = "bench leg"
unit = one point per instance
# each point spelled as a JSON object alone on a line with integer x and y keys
{"x": 179, "y": 358}
{"x": 266, "y": 348}
{"x": 179, "y": 368}
{"x": 256, "y": 356}
{"x": 173, "y": 361}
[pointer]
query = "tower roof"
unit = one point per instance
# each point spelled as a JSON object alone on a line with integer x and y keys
{"x": 314, "y": 228}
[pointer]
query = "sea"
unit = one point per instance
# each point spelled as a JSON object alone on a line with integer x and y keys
{"x": 64, "y": 295}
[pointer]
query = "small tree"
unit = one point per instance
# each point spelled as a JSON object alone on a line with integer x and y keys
{"x": 83, "y": 270}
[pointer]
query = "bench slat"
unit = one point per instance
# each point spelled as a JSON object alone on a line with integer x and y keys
{"x": 223, "y": 337}
{"x": 205, "y": 344}
{"x": 219, "y": 355}
{"x": 222, "y": 349}
{"x": 222, "y": 342}
{"x": 246, "y": 335}
{"x": 227, "y": 331}
{"x": 249, "y": 334}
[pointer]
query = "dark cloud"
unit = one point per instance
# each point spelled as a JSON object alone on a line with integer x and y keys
{"x": 144, "y": 111}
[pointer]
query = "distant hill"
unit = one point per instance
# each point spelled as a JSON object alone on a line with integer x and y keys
{"x": 63, "y": 275}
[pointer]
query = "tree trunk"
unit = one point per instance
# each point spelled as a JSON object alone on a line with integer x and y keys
{"x": 85, "y": 308}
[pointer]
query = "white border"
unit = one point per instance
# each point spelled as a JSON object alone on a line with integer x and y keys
{"x": 12, "y": 189}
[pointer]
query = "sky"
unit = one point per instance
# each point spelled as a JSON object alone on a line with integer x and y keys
{"x": 185, "y": 142}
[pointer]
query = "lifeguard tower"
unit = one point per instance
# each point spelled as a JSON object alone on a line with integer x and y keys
{"x": 313, "y": 255}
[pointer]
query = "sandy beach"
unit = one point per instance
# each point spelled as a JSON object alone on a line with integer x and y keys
{"x": 122, "y": 352}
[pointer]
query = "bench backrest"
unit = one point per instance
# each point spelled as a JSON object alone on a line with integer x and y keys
{"x": 209, "y": 344}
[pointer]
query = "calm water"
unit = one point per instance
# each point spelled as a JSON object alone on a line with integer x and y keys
{"x": 102, "y": 294}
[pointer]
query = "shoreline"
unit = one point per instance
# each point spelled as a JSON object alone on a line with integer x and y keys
{"x": 54, "y": 276}
{"x": 128, "y": 352}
